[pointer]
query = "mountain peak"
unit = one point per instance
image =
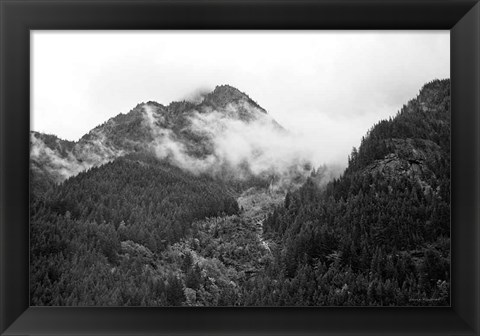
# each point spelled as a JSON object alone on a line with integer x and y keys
{"x": 224, "y": 94}
{"x": 226, "y": 89}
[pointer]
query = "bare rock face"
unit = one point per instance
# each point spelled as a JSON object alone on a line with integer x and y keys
{"x": 413, "y": 158}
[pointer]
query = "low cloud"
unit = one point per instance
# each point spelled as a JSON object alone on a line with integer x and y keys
{"x": 57, "y": 165}
{"x": 253, "y": 146}
{"x": 238, "y": 141}
{"x": 83, "y": 156}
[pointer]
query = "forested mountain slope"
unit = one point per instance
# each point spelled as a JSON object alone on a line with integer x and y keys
{"x": 154, "y": 224}
{"x": 141, "y": 186}
{"x": 153, "y": 201}
{"x": 113, "y": 213}
{"x": 380, "y": 234}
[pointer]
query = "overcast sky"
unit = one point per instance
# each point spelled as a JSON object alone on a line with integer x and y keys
{"x": 329, "y": 86}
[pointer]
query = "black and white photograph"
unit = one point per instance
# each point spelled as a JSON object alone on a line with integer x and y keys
{"x": 240, "y": 168}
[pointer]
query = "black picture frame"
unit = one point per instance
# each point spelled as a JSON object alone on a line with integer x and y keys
{"x": 18, "y": 17}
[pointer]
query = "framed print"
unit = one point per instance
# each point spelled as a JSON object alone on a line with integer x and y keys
{"x": 273, "y": 167}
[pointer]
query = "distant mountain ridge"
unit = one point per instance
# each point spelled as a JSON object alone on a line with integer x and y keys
{"x": 181, "y": 128}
